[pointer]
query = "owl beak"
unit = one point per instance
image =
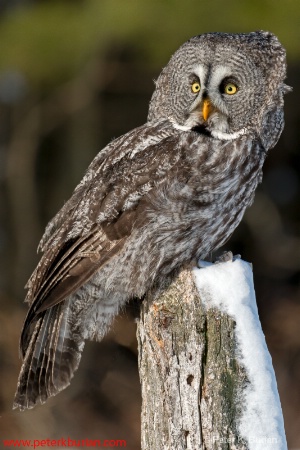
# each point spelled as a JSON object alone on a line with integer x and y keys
{"x": 206, "y": 109}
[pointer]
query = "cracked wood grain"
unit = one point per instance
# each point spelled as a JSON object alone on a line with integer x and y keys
{"x": 191, "y": 381}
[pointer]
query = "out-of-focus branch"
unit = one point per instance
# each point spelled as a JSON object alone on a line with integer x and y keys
{"x": 42, "y": 118}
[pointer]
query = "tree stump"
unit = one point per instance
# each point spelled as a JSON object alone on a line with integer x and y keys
{"x": 193, "y": 381}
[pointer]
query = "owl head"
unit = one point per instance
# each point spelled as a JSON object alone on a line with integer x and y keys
{"x": 226, "y": 84}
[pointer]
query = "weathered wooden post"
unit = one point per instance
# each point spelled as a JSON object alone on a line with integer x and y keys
{"x": 206, "y": 374}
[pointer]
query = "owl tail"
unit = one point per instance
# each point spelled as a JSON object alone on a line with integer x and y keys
{"x": 52, "y": 357}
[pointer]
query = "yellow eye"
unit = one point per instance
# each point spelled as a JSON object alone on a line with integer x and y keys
{"x": 196, "y": 87}
{"x": 230, "y": 89}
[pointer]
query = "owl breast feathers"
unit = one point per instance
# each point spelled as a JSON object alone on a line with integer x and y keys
{"x": 154, "y": 199}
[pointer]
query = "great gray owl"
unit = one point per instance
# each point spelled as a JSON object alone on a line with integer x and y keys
{"x": 154, "y": 199}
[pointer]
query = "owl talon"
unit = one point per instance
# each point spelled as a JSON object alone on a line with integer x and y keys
{"x": 225, "y": 257}
{"x": 201, "y": 264}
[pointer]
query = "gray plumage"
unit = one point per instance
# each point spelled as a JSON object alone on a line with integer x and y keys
{"x": 154, "y": 199}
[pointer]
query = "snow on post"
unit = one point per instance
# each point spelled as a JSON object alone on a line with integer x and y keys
{"x": 229, "y": 287}
{"x": 206, "y": 374}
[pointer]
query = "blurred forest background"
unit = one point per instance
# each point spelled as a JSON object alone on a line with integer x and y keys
{"x": 73, "y": 75}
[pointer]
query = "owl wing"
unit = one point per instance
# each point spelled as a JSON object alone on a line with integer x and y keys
{"x": 95, "y": 223}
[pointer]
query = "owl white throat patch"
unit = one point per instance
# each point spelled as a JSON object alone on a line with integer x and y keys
{"x": 221, "y": 135}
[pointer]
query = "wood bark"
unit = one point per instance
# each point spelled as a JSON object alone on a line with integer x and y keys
{"x": 191, "y": 379}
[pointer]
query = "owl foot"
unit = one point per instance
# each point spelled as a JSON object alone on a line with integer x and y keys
{"x": 225, "y": 257}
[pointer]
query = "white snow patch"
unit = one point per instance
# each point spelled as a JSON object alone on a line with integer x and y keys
{"x": 229, "y": 287}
